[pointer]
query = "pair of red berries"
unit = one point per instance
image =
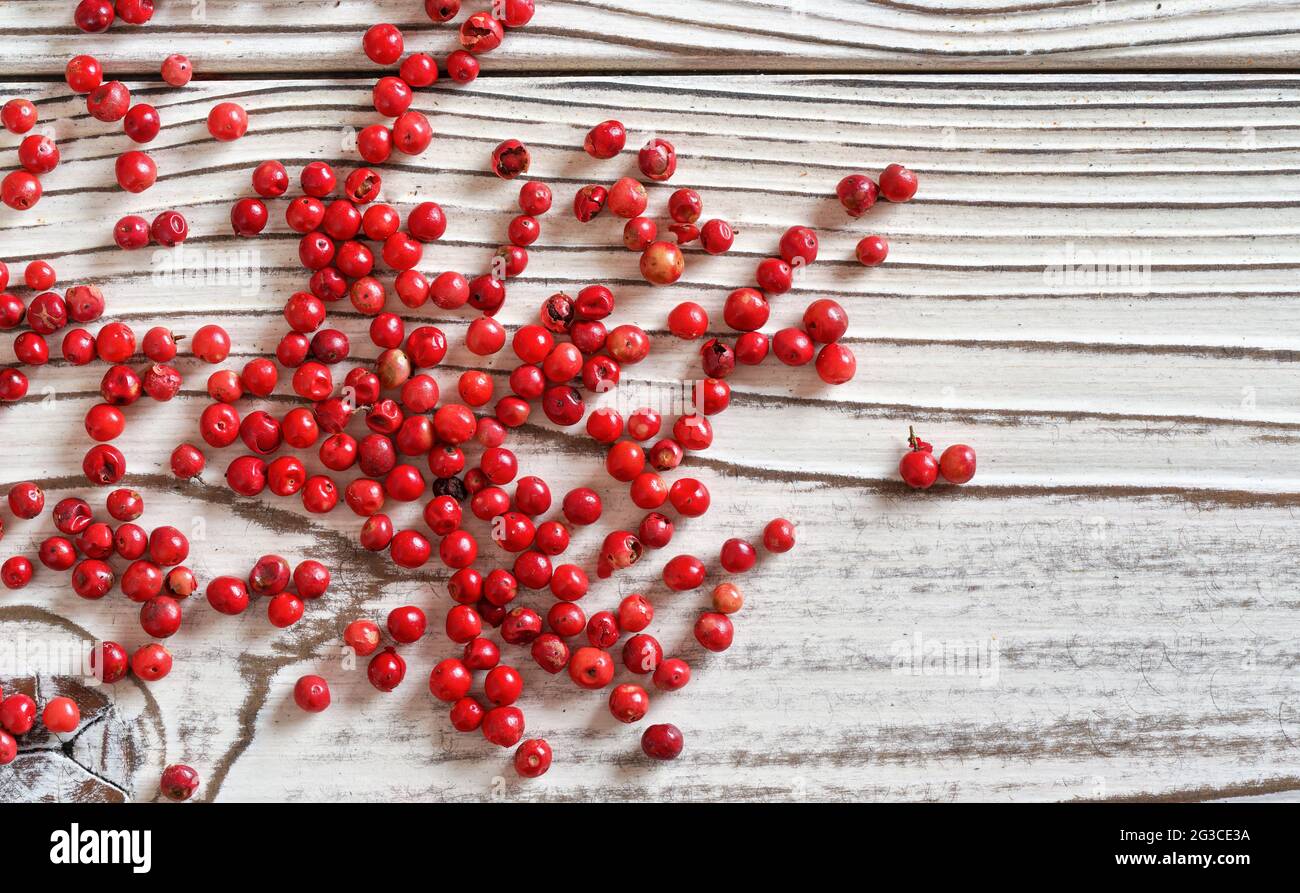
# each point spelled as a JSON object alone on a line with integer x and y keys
{"x": 919, "y": 469}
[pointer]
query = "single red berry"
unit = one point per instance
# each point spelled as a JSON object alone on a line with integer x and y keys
{"x": 481, "y": 33}
{"x": 177, "y": 70}
{"x": 39, "y": 154}
{"x": 714, "y": 631}
{"x": 918, "y": 467}
{"x": 169, "y": 229}
{"x": 657, "y": 160}
{"x": 178, "y": 782}
{"x": 605, "y": 140}
{"x": 872, "y": 250}
{"x": 717, "y": 236}
{"x": 462, "y": 67}
{"x": 450, "y": 680}
{"x": 406, "y": 624}
{"x": 627, "y": 198}
{"x": 61, "y": 715}
{"x": 857, "y": 193}
{"x": 386, "y": 670}
{"x": 684, "y": 572}
{"x": 142, "y": 123}
{"x": 151, "y": 662}
{"x": 897, "y": 183}
{"x": 284, "y": 610}
{"x": 662, "y": 263}
{"x": 18, "y": 115}
{"x": 629, "y": 703}
{"x": 362, "y": 636}
{"x": 591, "y": 668}
{"x": 18, "y": 714}
{"x": 83, "y": 74}
{"x": 737, "y": 556}
{"x": 504, "y": 726}
{"x": 311, "y": 693}
{"x": 383, "y": 44}
{"x": 589, "y": 201}
{"x": 20, "y": 190}
{"x": 16, "y": 572}
{"x": 778, "y": 536}
{"x": 227, "y": 121}
{"x": 160, "y": 617}
{"x": 836, "y": 363}
{"x": 957, "y": 464}
{"x": 793, "y": 347}
{"x": 93, "y": 16}
{"x": 774, "y": 276}
{"x": 109, "y": 662}
{"x": 510, "y": 159}
{"x": 662, "y": 742}
{"x": 533, "y": 757}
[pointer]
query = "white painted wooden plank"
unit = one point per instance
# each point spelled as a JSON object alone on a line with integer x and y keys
{"x": 1121, "y": 541}
{"x": 688, "y": 35}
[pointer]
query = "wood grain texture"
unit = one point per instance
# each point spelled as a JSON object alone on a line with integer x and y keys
{"x": 1118, "y": 569}
{"x": 238, "y": 36}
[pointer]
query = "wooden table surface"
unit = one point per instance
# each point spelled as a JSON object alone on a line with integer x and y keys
{"x": 1108, "y": 611}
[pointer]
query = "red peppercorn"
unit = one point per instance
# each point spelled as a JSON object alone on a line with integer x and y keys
{"x": 629, "y": 703}
{"x": 39, "y": 155}
{"x": 83, "y": 74}
{"x": 642, "y": 654}
{"x": 503, "y": 685}
{"x": 872, "y": 251}
{"x": 93, "y": 16}
{"x": 588, "y": 202}
{"x": 627, "y": 198}
{"x": 227, "y": 595}
{"x": 160, "y": 617}
{"x": 311, "y": 693}
{"x": 897, "y": 183}
{"x": 717, "y": 236}
{"x": 18, "y": 714}
{"x": 383, "y": 44}
{"x": 386, "y": 670}
{"x": 176, "y": 70}
{"x": 662, "y": 742}
{"x": 533, "y": 757}
{"x": 20, "y": 190}
{"x": 662, "y": 263}
{"x": 406, "y": 624}
{"x": 605, "y": 140}
{"x": 714, "y": 631}
{"x": 591, "y": 668}
{"x": 109, "y": 662}
{"x": 151, "y": 663}
{"x": 793, "y": 347}
{"x": 918, "y": 467}
{"x": 61, "y": 715}
{"x": 737, "y": 556}
{"x": 836, "y": 364}
{"x": 227, "y": 121}
{"x": 481, "y": 33}
{"x": 504, "y": 726}
{"x": 16, "y": 572}
{"x": 18, "y": 115}
{"x": 362, "y": 636}
{"x": 142, "y": 123}
{"x": 857, "y": 193}
{"x": 178, "y": 782}
{"x": 778, "y": 536}
{"x": 462, "y": 67}
{"x": 957, "y": 464}
{"x": 684, "y": 572}
{"x": 657, "y": 159}
{"x": 450, "y": 680}
{"x": 774, "y": 276}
